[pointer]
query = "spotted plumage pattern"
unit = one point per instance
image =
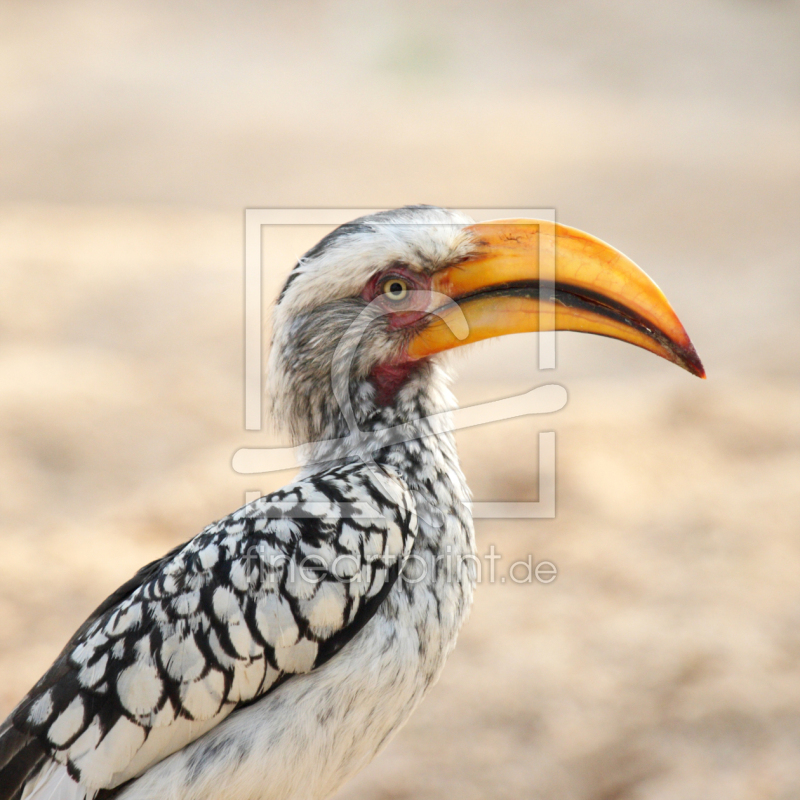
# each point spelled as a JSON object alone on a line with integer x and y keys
{"x": 271, "y": 591}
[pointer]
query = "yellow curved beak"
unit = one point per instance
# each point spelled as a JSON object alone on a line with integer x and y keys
{"x": 531, "y": 275}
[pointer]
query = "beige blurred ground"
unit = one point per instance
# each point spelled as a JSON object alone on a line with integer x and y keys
{"x": 663, "y": 662}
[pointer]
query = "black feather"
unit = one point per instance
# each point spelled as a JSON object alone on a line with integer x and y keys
{"x": 20, "y": 756}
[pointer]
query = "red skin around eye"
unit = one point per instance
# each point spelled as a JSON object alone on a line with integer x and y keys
{"x": 388, "y": 378}
{"x": 400, "y": 315}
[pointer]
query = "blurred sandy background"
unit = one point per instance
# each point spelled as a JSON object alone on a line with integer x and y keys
{"x": 663, "y": 661}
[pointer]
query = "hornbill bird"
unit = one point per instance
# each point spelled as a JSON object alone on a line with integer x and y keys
{"x": 275, "y": 653}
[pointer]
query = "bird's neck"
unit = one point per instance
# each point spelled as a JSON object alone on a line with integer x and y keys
{"x": 411, "y": 433}
{"x": 412, "y": 437}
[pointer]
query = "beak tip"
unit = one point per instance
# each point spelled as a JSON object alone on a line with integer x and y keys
{"x": 690, "y": 361}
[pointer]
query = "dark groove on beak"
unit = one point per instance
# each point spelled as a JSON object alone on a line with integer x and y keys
{"x": 578, "y": 297}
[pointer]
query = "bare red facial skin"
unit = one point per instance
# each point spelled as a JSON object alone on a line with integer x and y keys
{"x": 400, "y": 314}
{"x": 388, "y": 378}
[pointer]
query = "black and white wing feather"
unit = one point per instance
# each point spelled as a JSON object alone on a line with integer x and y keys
{"x": 271, "y": 591}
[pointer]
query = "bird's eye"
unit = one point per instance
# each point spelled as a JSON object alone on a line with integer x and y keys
{"x": 395, "y": 289}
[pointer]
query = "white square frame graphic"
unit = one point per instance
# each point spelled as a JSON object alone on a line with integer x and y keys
{"x": 245, "y": 460}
